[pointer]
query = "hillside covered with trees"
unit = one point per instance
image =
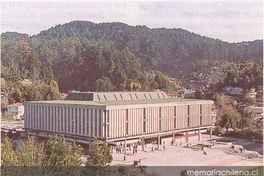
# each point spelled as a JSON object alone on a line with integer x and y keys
{"x": 109, "y": 56}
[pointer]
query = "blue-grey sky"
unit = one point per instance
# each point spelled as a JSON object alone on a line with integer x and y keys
{"x": 228, "y": 20}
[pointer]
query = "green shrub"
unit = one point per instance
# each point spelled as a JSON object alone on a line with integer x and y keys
{"x": 247, "y": 134}
{"x": 219, "y": 130}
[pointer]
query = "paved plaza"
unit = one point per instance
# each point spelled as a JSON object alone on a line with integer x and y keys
{"x": 220, "y": 154}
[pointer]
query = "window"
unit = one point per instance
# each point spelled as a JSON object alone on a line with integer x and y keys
{"x": 188, "y": 117}
{"x": 72, "y": 120}
{"x": 68, "y": 111}
{"x": 65, "y": 119}
{"x": 100, "y": 124}
{"x": 174, "y": 120}
{"x": 150, "y": 96}
{"x": 83, "y": 121}
{"x": 91, "y": 117}
{"x": 87, "y": 121}
{"x": 44, "y": 117}
{"x": 107, "y": 125}
{"x": 48, "y": 118}
{"x": 62, "y": 118}
{"x": 95, "y": 122}
{"x": 76, "y": 120}
{"x": 126, "y": 121}
{"x": 160, "y": 118}
{"x": 201, "y": 116}
{"x": 52, "y": 118}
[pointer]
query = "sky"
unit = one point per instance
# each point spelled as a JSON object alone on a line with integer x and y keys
{"x": 228, "y": 20}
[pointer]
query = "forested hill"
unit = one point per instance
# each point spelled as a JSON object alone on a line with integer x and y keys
{"x": 82, "y": 52}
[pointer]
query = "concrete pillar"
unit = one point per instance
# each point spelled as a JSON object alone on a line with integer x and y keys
{"x": 125, "y": 147}
{"x": 158, "y": 141}
{"x": 199, "y": 135}
{"x": 173, "y": 138}
{"x": 143, "y": 144}
{"x": 211, "y": 132}
{"x": 186, "y": 137}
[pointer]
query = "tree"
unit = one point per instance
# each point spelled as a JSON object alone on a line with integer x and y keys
{"x": 229, "y": 118}
{"x": 247, "y": 120}
{"x": 31, "y": 92}
{"x": 18, "y": 95}
{"x": 99, "y": 154}
{"x": 47, "y": 74}
{"x": 163, "y": 82}
{"x": 199, "y": 94}
{"x": 54, "y": 90}
{"x": 33, "y": 65}
{"x": 59, "y": 152}
{"x": 103, "y": 84}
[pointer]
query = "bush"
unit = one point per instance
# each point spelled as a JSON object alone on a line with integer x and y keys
{"x": 219, "y": 130}
{"x": 247, "y": 134}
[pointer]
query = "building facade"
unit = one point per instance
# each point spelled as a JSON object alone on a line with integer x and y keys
{"x": 16, "y": 110}
{"x": 117, "y": 116}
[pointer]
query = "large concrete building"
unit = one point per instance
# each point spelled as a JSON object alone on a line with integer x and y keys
{"x": 117, "y": 116}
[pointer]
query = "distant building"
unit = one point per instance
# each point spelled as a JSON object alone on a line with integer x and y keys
{"x": 118, "y": 117}
{"x": 64, "y": 95}
{"x": 16, "y": 110}
{"x": 188, "y": 93}
{"x": 173, "y": 94}
{"x": 233, "y": 90}
{"x": 258, "y": 114}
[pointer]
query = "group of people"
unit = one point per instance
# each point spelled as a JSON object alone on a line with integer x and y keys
{"x": 135, "y": 148}
{"x": 173, "y": 143}
{"x": 121, "y": 148}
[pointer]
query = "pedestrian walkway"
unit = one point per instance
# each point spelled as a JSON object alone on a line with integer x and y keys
{"x": 181, "y": 155}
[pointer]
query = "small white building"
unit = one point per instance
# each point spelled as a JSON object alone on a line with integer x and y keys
{"x": 17, "y": 110}
{"x": 233, "y": 90}
{"x": 188, "y": 93}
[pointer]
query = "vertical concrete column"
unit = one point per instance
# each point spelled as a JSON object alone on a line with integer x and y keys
{"x": 211, "y": 132}
{"x": 173, "y": 138}
{"x": 199, "y": 135}
{"x": 187, "y": 137}
{"x": 143, "y": 144}
{"x": 158, "y": 141}
{"x": 125, "y": 147}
